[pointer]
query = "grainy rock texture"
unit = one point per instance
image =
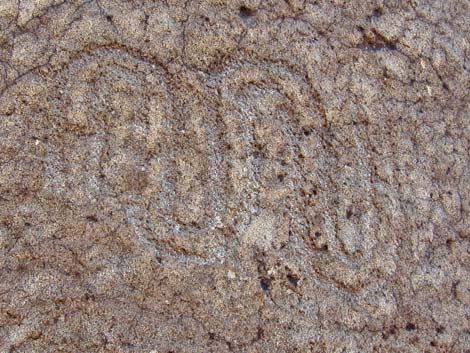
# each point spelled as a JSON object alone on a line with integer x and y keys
{"x": 234, "y": 176}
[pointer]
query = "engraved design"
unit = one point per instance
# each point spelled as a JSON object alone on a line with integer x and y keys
{"x": 187, "y": 173}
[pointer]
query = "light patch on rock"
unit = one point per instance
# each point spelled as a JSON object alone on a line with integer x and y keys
{"x": 260, "y": 232}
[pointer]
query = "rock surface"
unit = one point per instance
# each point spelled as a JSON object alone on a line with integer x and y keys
{"x": 234, "y": 176}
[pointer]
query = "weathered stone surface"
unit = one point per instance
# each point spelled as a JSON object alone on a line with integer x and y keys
{"x": 234, "y": 176}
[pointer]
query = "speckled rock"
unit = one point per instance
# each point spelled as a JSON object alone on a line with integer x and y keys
{"x": 234, "y": 176}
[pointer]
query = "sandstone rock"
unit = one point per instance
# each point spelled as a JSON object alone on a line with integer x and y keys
{"x": 234, "y": 176}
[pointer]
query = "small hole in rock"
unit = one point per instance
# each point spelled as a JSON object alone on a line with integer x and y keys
{"x": 92, "y": 218}
{"x": 246, "y": 12}
{"x": 280, "y": 177}
{"x": 293, "y": 279}
{"x": 89, "y": 297}
{"x": 348, "y": 214}
{"x": 377, "y": 12}
{"x": 259, "y": 333}
{"x": 410, "y": 326}
{"x": 325, "y": 248}
{"x": 264, "y": 283}
{"x": 317, "y": 234}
